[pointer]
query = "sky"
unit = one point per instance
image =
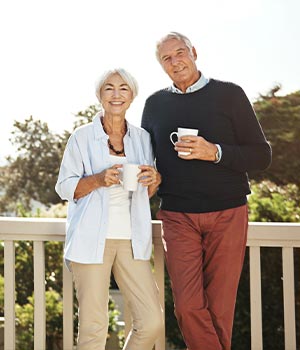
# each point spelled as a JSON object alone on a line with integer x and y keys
{"x": 52, "y": 52}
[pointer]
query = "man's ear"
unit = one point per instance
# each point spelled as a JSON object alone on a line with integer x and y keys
{"x": 194, "y": 53}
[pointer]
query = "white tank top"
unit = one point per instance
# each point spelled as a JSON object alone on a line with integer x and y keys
{"x": 119, "y": 223}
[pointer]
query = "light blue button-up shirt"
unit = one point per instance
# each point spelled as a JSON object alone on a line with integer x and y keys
{"x": 199, "y": 84}
{"x": 86, "y": 154}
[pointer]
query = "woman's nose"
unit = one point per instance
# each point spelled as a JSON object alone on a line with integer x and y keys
{"x": 116, "y": 93}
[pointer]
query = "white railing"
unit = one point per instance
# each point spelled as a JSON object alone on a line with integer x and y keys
{"x": 284, "y": 235}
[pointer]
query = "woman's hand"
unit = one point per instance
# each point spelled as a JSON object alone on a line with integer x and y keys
{"x": 106, "y": 178}
{"x": 110, "y": 176}
{"x": 150, "y": 177}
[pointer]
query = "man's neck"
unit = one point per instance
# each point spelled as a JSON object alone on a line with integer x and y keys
{"x": 197, "y": 85}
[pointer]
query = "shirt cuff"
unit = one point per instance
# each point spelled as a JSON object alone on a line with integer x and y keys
{"x": 220, "y": 153}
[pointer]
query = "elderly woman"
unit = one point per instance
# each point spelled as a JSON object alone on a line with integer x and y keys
{"x": 109, "y": 228}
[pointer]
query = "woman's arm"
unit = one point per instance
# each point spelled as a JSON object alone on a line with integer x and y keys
{"x": 106, "y": 178}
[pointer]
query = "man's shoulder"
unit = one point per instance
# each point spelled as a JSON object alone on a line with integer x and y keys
{"x": 159, "y": 93}
{"x": 224, "y": 84}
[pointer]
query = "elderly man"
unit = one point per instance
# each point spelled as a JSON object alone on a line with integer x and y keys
{"x": 204, "y": 188}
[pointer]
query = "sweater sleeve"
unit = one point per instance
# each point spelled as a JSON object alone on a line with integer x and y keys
{"x": 145, "y": 124}
{"x": 251, "y": 150}
{"x": 148, "y": 147}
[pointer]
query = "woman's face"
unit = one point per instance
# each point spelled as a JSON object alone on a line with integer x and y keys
{"x": 116, "y": 96}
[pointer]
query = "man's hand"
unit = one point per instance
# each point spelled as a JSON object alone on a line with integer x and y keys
{"x": 197, "y": 147}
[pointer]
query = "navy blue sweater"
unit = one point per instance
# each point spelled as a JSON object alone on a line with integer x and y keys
{"x": 223, "y": 114}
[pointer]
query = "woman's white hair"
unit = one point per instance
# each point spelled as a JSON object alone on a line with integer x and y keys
{"x": 126, "y": 76}
{"x": 173, "y": 35}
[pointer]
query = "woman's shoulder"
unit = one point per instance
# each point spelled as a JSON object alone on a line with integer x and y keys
{"x": 139, "y": 130}
{"x": 83, "y": 130}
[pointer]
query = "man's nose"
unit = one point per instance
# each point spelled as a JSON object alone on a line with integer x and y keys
{"x": 174, "y": 60}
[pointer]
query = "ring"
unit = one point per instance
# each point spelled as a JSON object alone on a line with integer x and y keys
{"x": 190, "y": 150}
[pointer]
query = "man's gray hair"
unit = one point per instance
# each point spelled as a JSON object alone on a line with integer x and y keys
{"x": 126, "y": 76}
{"x": 173, "y": 35}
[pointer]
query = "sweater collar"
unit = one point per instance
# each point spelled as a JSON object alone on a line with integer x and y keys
{"x": 199, "y": 84}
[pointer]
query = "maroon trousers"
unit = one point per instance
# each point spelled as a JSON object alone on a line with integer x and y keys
{"x": 204, "y": 256}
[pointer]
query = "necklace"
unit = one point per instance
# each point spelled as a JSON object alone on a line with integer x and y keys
{"x": 110, "y": 145}
{"x": 113, "y": 148}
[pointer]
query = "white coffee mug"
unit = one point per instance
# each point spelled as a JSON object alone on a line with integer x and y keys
{"x": 130, "y": 180}
{"x": 183, "y": 132}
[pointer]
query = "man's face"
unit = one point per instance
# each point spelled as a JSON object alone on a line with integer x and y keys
{"x": 179, "y": 63}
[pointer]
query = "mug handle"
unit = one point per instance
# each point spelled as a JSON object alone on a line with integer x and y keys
{"x": 171, "y": 136}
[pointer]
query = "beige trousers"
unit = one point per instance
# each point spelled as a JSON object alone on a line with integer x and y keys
{"x": 139, "y": 290}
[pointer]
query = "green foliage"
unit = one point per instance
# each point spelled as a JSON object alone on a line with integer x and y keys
{"x": 33, "y": 173}
{"x": 280, "y": 120}
{"x": 25, "y": 326}
{"x": 113, "y": 315}
{"x": 271, "y": 203}
{"x": 154, "y": 206}
{"x": 86, "y": 116}
{"x": 24, "y": 271}
{"x": 55, "y": 211}
{"x": 25, "y": 321}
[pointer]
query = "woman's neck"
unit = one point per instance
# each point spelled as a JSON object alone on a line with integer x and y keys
{"x": 114, "y": 124}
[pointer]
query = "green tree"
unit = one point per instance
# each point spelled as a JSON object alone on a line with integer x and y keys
{"x": 33, "y": 173}
{"x": 280, "y": 120}
{"x": 272, "y": 203}
{"x": 86, "y": 116}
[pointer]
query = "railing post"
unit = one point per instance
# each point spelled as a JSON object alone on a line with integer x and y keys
{"x": 39, "y": 296}
{"x": 255, "y": 299}
{"x": 9, "y": 296}
{"x": 67, "y": 309}
{"x": 289, "y": 297}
